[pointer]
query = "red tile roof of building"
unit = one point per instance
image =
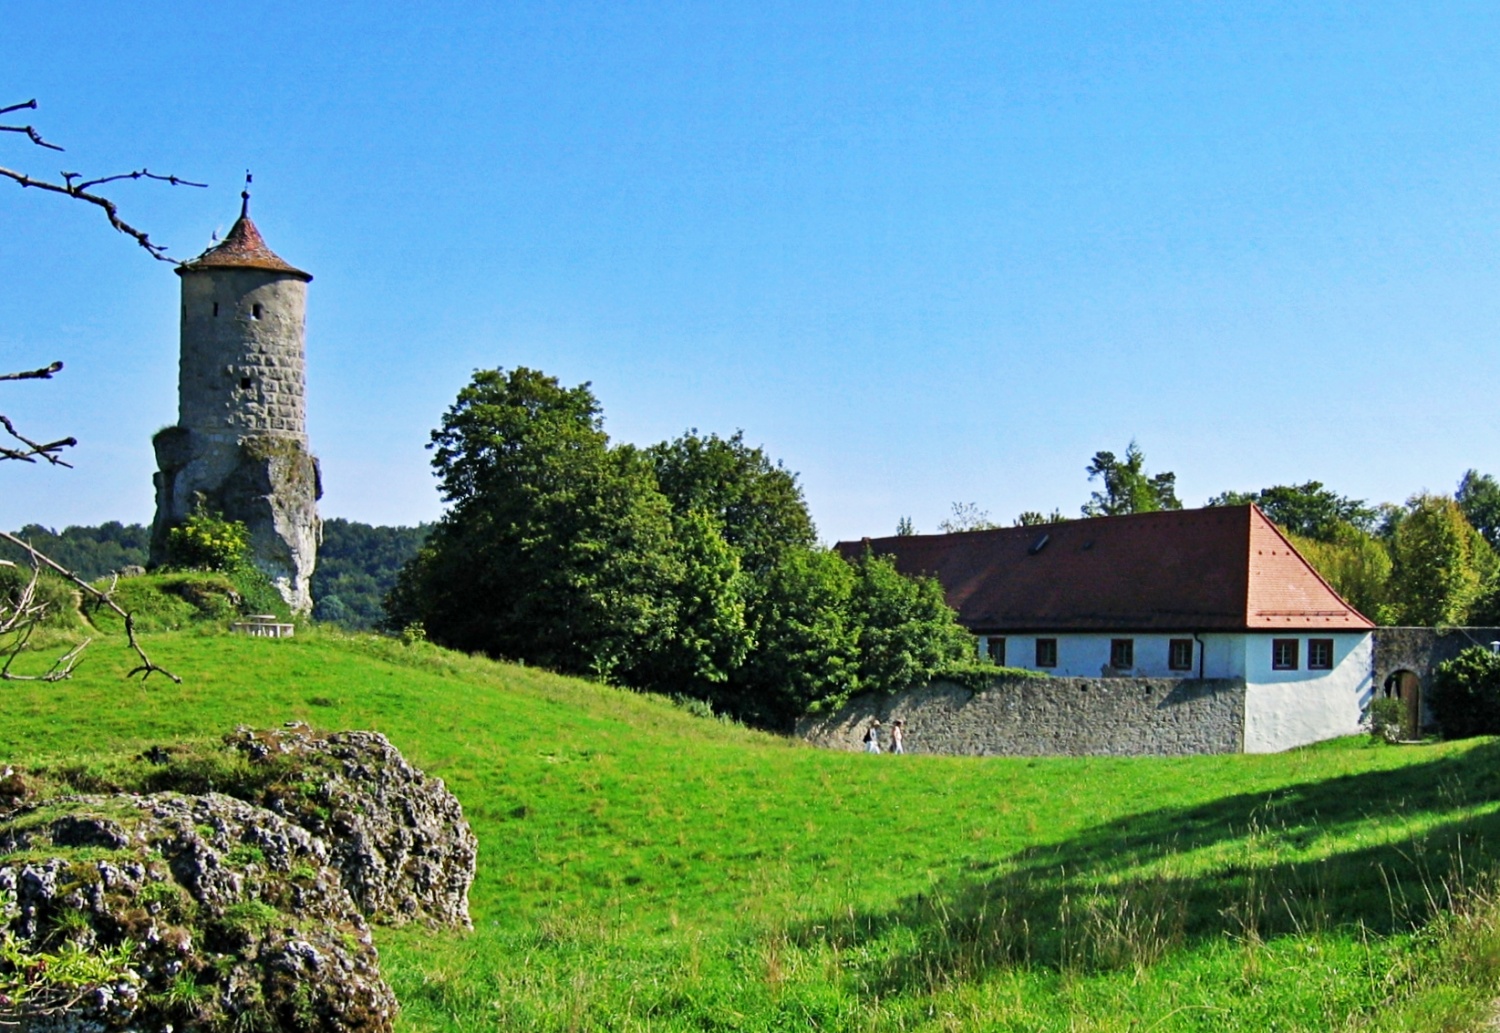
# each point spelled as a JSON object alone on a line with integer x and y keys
{"x": 1218, "y": 569}
{"x": 242, "y": 248}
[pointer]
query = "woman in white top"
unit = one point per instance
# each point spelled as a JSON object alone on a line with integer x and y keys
{"x": 872, "y": 737}
{"x": 896, "y": 736}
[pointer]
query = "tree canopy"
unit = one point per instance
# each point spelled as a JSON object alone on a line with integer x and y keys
{"x": 1127, "y": 487}
{"x": 90, "y": 552}
{"x": 689, "y": 567}
{"x": 1440, "y": 564}
{"x": 556, "y": 548}
{"x": 1478, "y": 496}
{"x": 1356, "y": 564}
{"x": 757, "y": 504}
{"x": 1309, "y": 510}
{"x": 357, "y": 567}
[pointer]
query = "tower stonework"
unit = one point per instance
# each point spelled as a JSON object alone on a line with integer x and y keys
{"x": 239, "y": 447}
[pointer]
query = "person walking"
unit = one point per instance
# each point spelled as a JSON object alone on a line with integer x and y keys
{"x": 898, "y": 730}
{"x": 872, "y": 737}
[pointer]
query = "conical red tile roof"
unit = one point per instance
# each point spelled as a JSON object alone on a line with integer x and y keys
{"x": 242, "y": 248}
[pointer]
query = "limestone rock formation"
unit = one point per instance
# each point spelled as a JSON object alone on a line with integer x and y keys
{"x": 175, "y": 906}
{"x": 200, "y": 911}
{"x": 398, "y": 836}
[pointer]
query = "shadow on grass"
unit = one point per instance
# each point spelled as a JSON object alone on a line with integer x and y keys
{"x": 1123, "y": 894}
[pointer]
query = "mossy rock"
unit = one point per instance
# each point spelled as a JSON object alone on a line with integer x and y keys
{"x": 110, "y": 902}
{"x": 221, "y": 885}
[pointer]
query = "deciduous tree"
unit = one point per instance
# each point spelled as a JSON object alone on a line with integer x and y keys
{"x": 826, "y": 629}
{"x": 1034, "y": 518}
{"x": 1356, "y": 564}
{"x": 967, "y": 516}
{"x": 1309, "y": 510}
{"x": 1439, "y": 563}
{"x": 555, "y": 550}
{"x": 907, "y": 631}
{"x": 806, "y": 644}
{"x": 688, "y": 568}
{"x": 757, "y": 503}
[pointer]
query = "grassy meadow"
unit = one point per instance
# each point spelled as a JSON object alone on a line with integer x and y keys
{"x": 641, "y": 868}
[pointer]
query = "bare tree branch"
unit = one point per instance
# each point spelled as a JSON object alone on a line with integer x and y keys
{"x": 145, "y": 668}
{"x": 80, "y": 190}
{"x": 89, "y": 184}
{"x": 21, "y": 615}
{"x": 45, "y": 373}
{"x": 33, "y": 449}
{"x": 35, "y": 137}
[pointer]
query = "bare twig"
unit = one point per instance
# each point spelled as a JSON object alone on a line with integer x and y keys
{"x": 21, "y": 616}
{"x": 33, "y": 449}
{"x": 111, "y": 210}
{"x": 89, "y": 184}
{"x": 35, "y": 137}
{"x": 75, "y": 186}
{"x": 145, "y": 668}
{"x": 45, "y": 373}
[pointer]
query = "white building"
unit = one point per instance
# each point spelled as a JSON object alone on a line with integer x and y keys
{"x": 1205, "y": 593}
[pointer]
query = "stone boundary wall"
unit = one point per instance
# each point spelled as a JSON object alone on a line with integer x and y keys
{"x": 1049, "y": 716}
{"x": 1421, "y": 650}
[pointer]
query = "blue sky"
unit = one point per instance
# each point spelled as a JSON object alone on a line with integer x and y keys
{"x": 923, "y": 253}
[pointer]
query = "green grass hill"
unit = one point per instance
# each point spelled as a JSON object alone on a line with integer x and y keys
{"x": 643, "y": 868}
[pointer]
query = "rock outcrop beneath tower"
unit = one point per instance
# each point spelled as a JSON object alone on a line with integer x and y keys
{"x": 239, "y": 447}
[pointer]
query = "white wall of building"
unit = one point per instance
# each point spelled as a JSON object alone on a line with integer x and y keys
{"x": 1284, "y": 709}
{"x": 1223, "y": 656}
{"x": 1088, "y": 655}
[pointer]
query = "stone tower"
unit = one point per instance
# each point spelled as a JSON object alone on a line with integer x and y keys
{"x": 240, "y": 444}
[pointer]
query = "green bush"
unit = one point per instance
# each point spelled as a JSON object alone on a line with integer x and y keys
{"x": 1466, "y": 694}
{"x": 977, "y": 675}
{"x": 1387, "y": 718}
{"x": 206, "y": 541}
{"x": 257, "y": 593}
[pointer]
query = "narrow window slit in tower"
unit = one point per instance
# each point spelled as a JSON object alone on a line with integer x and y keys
{"x": 216, "y": 310}
{"x": 246, "y": 383}
{"x": 255, "y": 312}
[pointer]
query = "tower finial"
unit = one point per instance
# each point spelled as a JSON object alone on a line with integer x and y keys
{"x": 245, "y": 197}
